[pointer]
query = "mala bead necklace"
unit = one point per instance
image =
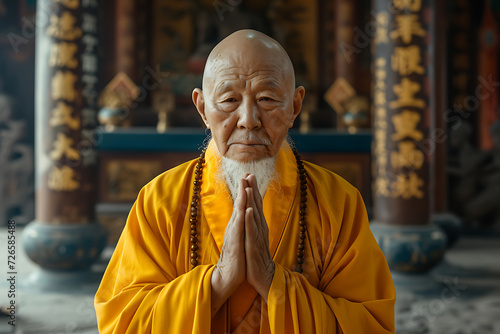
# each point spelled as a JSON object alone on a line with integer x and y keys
{"x": 302, "y": 221}
{"x": 198, "y": 173}
{"x": 302, "y": 212}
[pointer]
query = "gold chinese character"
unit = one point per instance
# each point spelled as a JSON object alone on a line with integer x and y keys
{"x": 408, "y": 156}
{"x": 62, "y": 179}
{"x": 380, "y": 76}
{"x": 382, "y": 20}
{"x": 405, "y": 92}
{"x": 413, "y": 5}
{"x": 379, "y": 97}
{"x": 62, "y": 115}
{"x": 407, "y": 26}
{"x": 63, "y": 54}
{"x": 405, "y": 125}
{"x": 381, "y": 162}
{"x": 63, "y": 27}
{"x": 381, "y": 186}
{"x": 72, "y": 4}
{"x": 63, "y": 86}
{"x": 63, "y": 146}
{"x": 381, "y": 114}
{"x": 380, "y": 62}
{"x": 406, "y": 60}
{"x": 380, "y": 141}
{"x": 408, "y": 187}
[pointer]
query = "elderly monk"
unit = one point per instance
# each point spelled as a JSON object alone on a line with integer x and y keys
{"x": 248, "y": 238}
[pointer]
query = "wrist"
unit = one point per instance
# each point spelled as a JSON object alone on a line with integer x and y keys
{"x": 223, "y": 285}
{"x": 267, "y": 281}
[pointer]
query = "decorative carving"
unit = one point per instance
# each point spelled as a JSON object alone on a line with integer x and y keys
{"x": 116, "y": 101}
{"x": 352, "y": 109}
{"x": 164, "y": 105}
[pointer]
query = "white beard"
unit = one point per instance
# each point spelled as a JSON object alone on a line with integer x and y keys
{"x": 233, "y": 171}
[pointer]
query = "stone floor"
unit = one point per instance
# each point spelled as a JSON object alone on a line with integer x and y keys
{"x": 462, "y": 296}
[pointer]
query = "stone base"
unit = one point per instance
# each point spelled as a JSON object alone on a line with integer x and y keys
{"x": 49, "y": 281}
{"x": 450, "y": 224}
{"x": 64, "y": 247}
{"x": 410, "y": 249}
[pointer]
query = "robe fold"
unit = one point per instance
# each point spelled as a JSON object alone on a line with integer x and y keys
{"x": 345, "y": 287}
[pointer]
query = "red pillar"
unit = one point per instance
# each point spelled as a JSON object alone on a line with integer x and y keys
{"x": 65, "y": 235}
{"x": 404, "y": 109}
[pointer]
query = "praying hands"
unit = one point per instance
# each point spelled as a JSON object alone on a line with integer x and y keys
{"x": 245, "y": 251}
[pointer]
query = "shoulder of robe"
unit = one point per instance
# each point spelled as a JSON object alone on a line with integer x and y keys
{"x": 326, "y": 182}
{"x": 167, "y": 188}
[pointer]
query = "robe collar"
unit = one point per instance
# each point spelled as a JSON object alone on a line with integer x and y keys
{"x": 217, "y": 204}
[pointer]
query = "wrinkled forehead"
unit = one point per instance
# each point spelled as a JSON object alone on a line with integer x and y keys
{"x": 270, "y": 73}
{"x": 248, "y": 64}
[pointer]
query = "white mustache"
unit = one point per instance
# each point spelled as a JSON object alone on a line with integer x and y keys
{"x": 252, "y": 138}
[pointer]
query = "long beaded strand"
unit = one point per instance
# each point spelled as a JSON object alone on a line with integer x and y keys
{"x": 303, "y": 205}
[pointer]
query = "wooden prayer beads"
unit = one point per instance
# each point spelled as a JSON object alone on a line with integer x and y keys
{"x": 302, "y": 210}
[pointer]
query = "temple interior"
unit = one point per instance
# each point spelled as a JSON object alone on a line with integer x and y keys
{"x": 402, "y": 100}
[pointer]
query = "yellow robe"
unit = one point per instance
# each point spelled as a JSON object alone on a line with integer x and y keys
{"x": 149, "y": 287}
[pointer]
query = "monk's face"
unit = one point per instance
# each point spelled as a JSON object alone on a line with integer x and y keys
{"x": 248, "y": 99}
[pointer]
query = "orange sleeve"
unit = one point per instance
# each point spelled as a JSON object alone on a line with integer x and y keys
{"x": 355, "y": 293}
{"x": 141, "y": 290}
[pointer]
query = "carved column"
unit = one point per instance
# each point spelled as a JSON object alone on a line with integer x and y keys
{"x": 404, "y": 108}
{"x": 64, "y": 235}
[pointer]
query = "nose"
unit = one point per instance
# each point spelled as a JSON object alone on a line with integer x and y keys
{"x": 249, "y": 116}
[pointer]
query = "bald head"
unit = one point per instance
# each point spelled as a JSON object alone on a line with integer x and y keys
{"x": 248, "y": 49}
{"x": 249, "y": 99}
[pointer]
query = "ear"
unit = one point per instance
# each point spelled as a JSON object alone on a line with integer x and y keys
{"x": 199, "y": 102}
{"x": 298, "y": 97}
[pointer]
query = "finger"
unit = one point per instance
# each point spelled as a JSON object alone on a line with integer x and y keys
{"x": 250, "y": 226}
{"x": 241, "y": 199}
{"x": 252, "y": 179}
{"x": 251, "y": 204}
{"x": 250, "y": 198}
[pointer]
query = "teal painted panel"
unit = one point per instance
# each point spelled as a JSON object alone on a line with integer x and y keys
{"x": 186, "y": 140}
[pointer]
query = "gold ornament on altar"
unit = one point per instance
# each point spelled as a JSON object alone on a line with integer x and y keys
{"x": 164, "y": 104}
{"x": 116, "y": 101}
{"x": 352, "y": 109}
